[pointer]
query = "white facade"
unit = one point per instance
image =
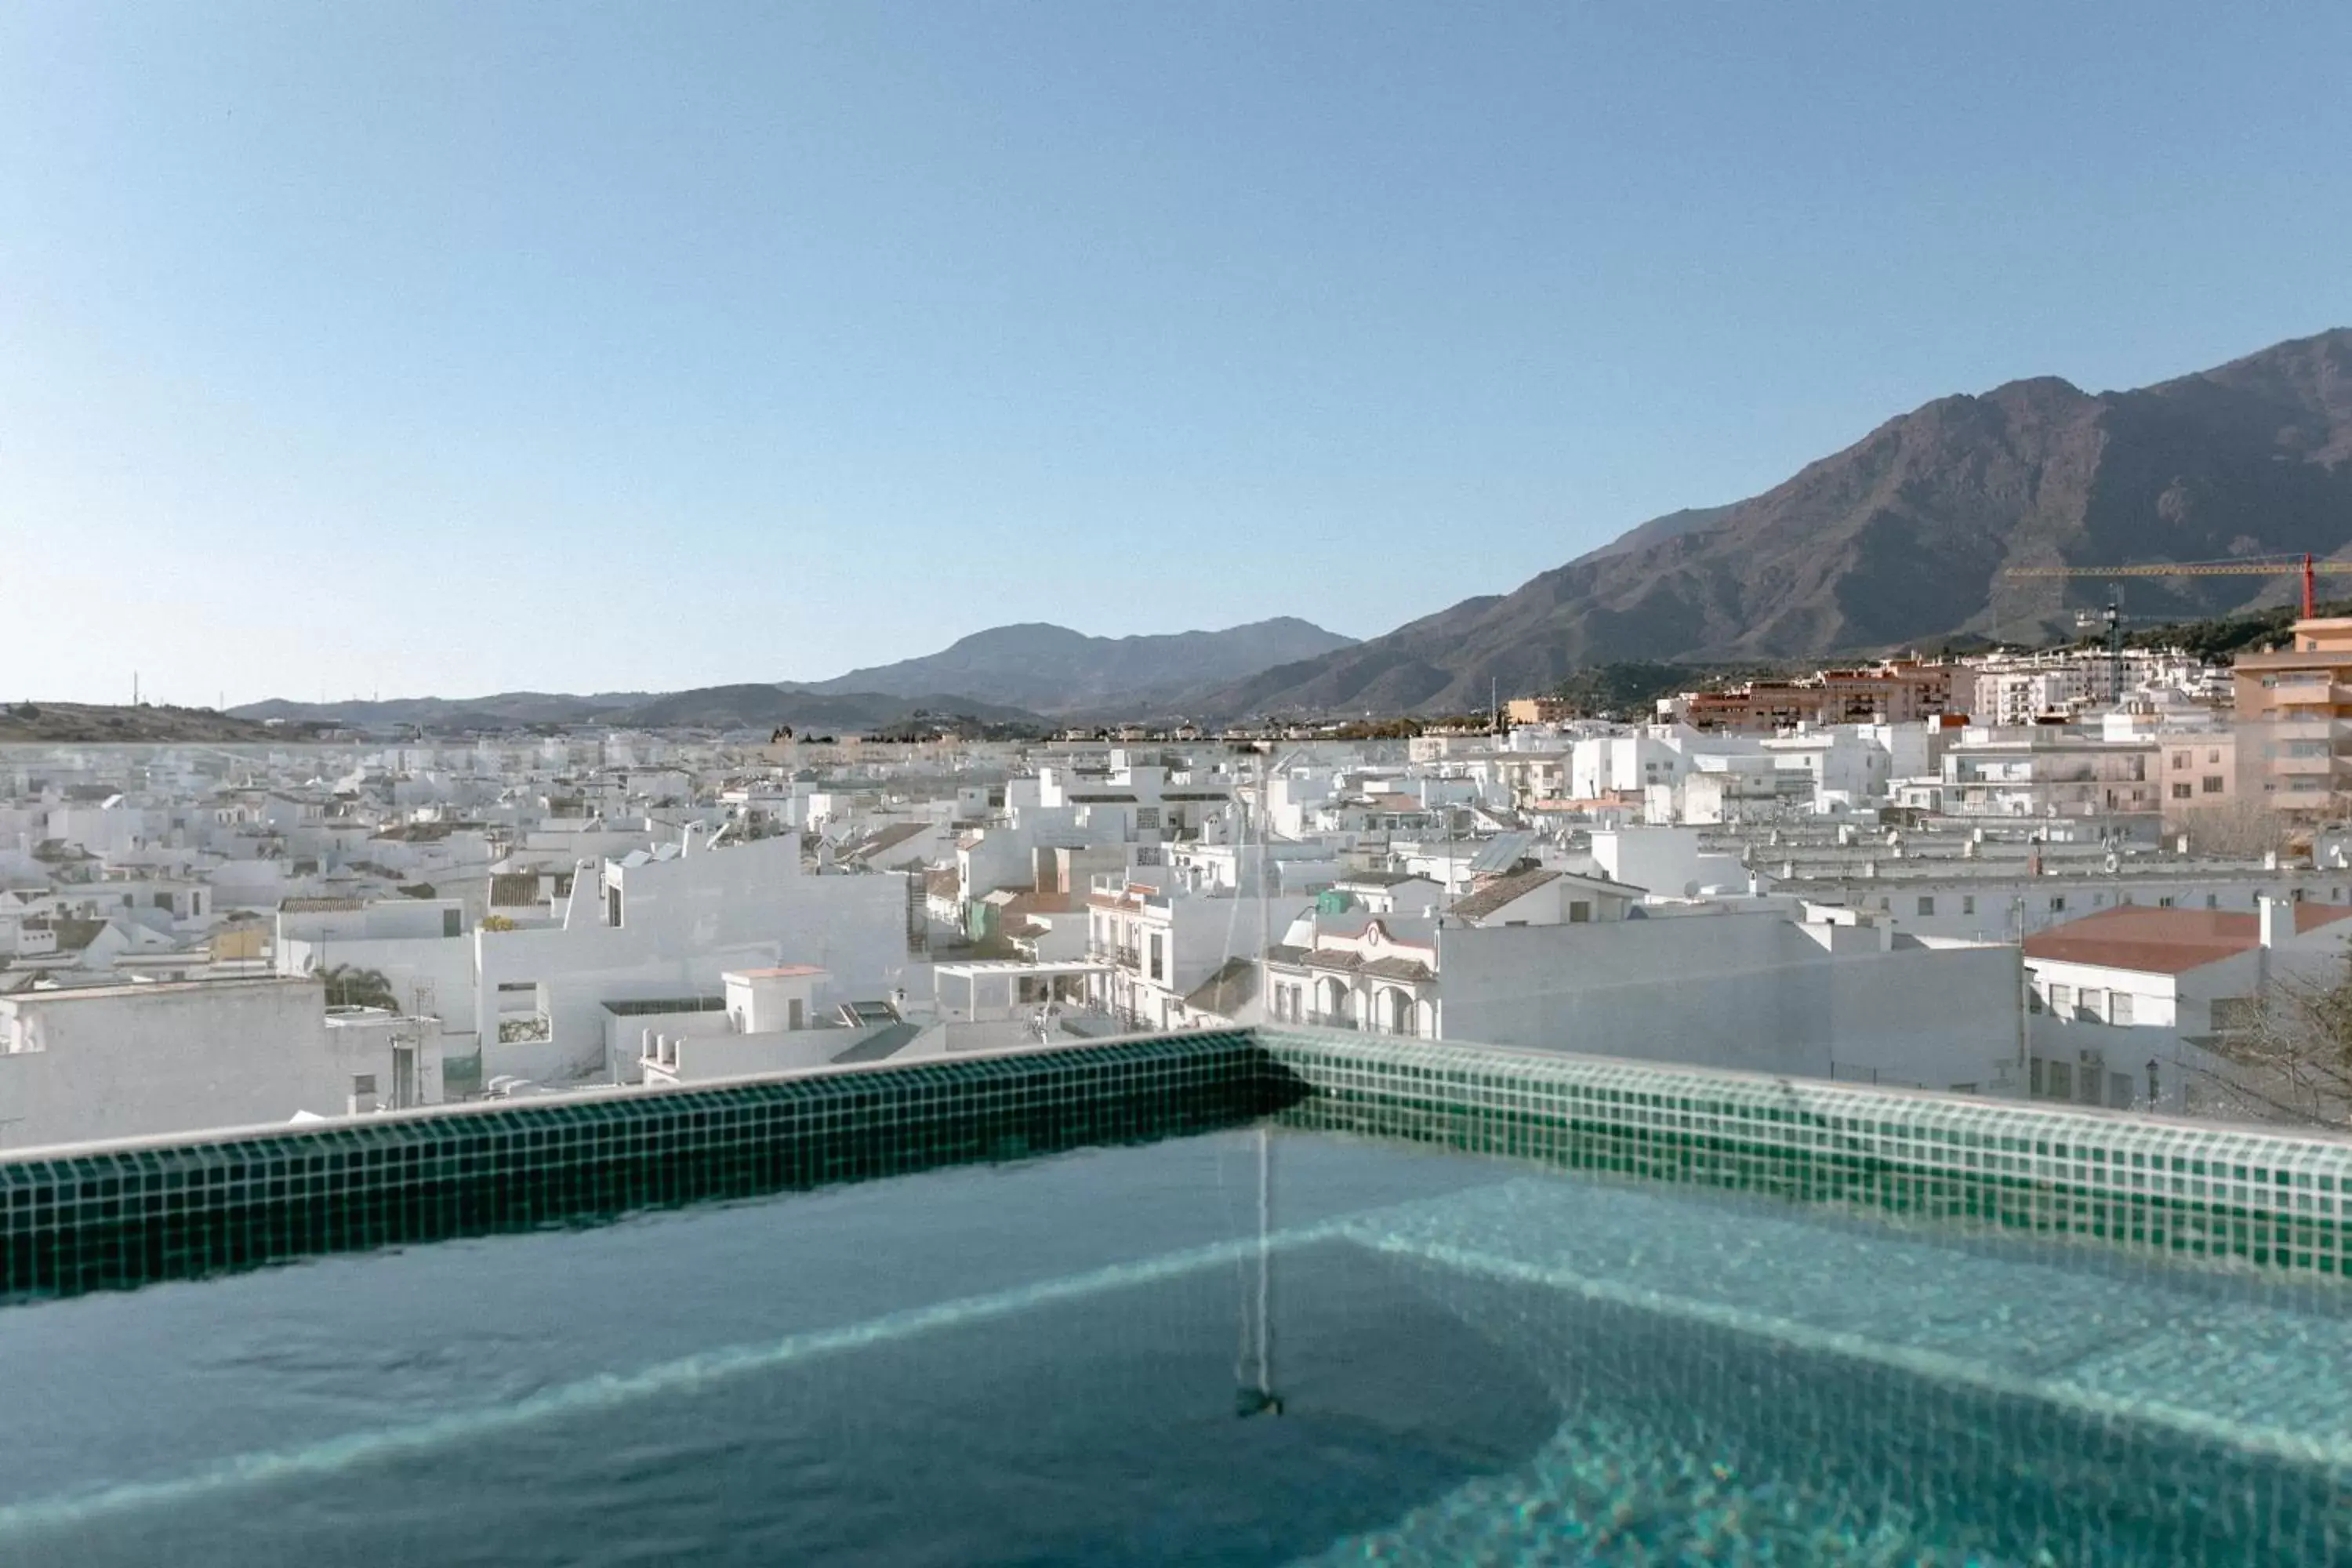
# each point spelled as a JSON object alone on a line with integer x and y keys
{"x": 127, "y": 1061}
{"x": 672, "y": 928}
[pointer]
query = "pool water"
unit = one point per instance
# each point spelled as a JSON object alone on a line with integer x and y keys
{"x": 1248, "y": 1347}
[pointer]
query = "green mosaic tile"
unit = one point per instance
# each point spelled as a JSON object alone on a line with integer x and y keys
{"x": 121, "y": 1216}
{"x": 2212, "y": 1193}
{"x": 105, "y": 1219}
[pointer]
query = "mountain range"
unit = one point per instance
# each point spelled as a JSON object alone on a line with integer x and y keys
{"x": 1053, "y": 670}
{"x": 1903, "y": 537}
{"x": 1025, "y": 676}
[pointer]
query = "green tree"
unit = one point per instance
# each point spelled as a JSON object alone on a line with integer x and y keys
{"x": 350, "y": 987}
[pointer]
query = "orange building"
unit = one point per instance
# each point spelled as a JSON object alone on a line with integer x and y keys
{"x": 2295, "y": 719}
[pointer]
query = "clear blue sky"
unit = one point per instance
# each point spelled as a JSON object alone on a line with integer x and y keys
{"x": 455, "y": 348}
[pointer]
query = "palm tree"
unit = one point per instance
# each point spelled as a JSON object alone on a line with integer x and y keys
{"x": 348, "y": 987}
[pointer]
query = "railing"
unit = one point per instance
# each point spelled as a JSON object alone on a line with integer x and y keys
{"x": 1359, "y": 1025}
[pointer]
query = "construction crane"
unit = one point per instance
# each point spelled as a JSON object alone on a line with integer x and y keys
{"x": 2272, "y": 567}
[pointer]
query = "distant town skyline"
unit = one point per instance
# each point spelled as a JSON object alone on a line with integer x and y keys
{"x": 450, "y": 350}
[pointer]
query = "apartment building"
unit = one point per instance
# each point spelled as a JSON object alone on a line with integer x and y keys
{"x": 2294, "y": 714}
{"x": 2048, "y": 770}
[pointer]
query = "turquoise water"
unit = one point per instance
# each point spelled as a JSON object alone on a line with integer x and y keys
{"x": 1373, "y": 1354}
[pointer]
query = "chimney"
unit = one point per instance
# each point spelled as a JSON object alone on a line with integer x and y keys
{"x": 2270, "y": 908}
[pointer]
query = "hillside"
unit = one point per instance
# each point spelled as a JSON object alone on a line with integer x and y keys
{"x": 1902, "y": 538}
{"x": 1054, "y": 670}
{"x": 1008, "y": 675}
{"x": 500, "y": 710}
{"x": 146, "y": 725}
{"x": 751, "y": 705}
{"x": 805, "y": 709}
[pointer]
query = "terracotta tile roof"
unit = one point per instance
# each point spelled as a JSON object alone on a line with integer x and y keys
{"x": 319, "y": 906}
{"x": 1041, "y": 901}
{"x": 1501, "y": 892}
{"x": 1283, "y": 952}
{"x": 885, "y": 838}
{"x": 514, "y": 889}
{"x": 1334, "y": 958}
{"x": 1394, "y": 968}
{"x": 945, "y": 884}
{"x": 2164, "y": 941}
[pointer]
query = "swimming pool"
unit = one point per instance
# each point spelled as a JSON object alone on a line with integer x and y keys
{"x": 1253, "y": 1344}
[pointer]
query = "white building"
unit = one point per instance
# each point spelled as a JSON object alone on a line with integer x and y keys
{"x": 671, "y": 926}
{"x": 128, "y": 1061}
{"x": 2126, "y": 1002}
{"x": 1552, "y": 962}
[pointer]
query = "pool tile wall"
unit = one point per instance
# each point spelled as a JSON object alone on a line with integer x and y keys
{"x": 2274, "y": 1200}
{"x": 112, "y": 1217}
{"x": 118, "y": 1215}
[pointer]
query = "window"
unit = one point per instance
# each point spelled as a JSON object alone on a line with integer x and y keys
{"x": 1579, "y": 911}
{"x": 2058, "y": 1078}
{"x": 1926, "y": 904}
{"x": 2211, "y": 783}
{"x": 451, "y": 922}
{"x": 1147, "y": 816}
{"x": 2214, "y": 755}
{"x": 2062, "y": 999}
{"x": 2180, "y": 759}
{"x": 2180, "y": 791}
{"x": 362, "y": 1083}
{"x": 1967, "y": 903}
{"x": 2212, "y": 900}
{"x": 1159, "y": 956}
{"x": 2057, "y": 903}
{"x": 2119, "y": 1009}
{"x": 2095, "y": 1003}
{"x": 2164, "y": 903}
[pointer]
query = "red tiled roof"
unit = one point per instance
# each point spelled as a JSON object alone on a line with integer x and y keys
{"x": 2164, "y": 941}
{"x": 1502, "y": 892}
